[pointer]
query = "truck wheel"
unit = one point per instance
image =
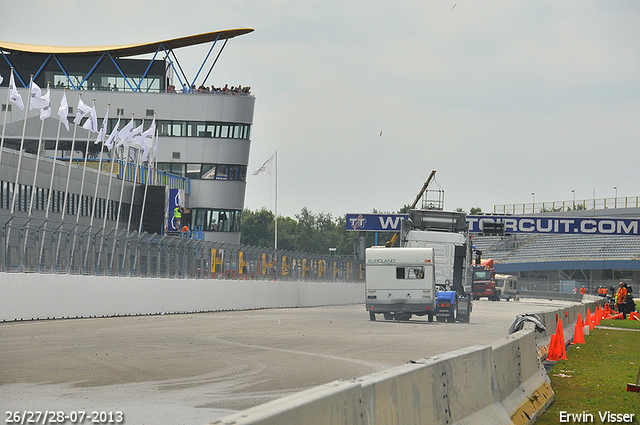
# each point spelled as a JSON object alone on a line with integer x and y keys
{"x": 388, "y": 316}
{"x": 453, "y": 316}
{"x": 372, "y": 316}
{"x": 440, "y": 318}
{"x": 430, "y": 316}
{"x": 465, "y": 319}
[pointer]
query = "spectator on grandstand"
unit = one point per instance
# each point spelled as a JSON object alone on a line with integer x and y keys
{"x": 185, "y": 89}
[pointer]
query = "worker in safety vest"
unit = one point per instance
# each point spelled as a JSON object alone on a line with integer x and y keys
{"x": 621, "y": 299}
{"x": 177, "y": 217}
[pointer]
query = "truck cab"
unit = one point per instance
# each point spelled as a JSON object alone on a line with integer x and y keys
{"x": 447, "y": 233}
{"x": 484, "y": 281}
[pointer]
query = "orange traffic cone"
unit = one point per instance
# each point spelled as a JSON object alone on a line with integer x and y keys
{"x": 596, "y": 317}
{"x": 633, "y": 315}
{"x": 589, "y": 320}
{"x": 578, "y": 334}
{"x": 557, "y": 350}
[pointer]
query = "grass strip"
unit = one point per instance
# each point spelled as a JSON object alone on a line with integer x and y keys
{"x": 593, "y": 380}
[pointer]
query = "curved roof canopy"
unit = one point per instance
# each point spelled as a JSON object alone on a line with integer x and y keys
{"x": 125, "y": 50}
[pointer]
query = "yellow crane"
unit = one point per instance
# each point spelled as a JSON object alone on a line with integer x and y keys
{"x": 393, "y": 239}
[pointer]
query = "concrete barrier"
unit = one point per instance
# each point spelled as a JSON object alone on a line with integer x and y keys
{"x": 504, "y": 383}
{"x": 40, "y": 296}
{"x": 499, "y": 384}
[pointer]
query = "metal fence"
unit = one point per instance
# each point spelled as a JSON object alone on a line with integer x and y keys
{"x": 39, "y": 246}
{"x": 556, "y": 206}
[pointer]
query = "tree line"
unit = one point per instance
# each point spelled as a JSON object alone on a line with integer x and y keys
{"x": 319, "y": 233}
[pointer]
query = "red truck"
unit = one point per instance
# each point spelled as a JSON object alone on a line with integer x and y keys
{"x": 483, "y": 283}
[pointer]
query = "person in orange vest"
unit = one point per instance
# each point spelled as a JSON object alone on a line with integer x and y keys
{"x": 621, "y": 299}
{"x": 583, "y": 290}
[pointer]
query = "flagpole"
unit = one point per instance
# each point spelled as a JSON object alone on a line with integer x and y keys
{"x": 146, "y": 185}
{"x": 24, "y": 129}
{"x": 53, "y": 170}
{"x": 124, "y": 175}
{"x": 114, "y": 156}
{"x": 276, "y": 223}
{"x": 95, "y": 193}
{"x": 35, "y": 174}
{"x": 135, "y": 180}
{"x": 84, "y": 168}
{"x": 73, "y": 146}
{"x": 4, "y": 121}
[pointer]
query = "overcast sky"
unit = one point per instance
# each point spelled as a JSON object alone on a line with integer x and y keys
{"x": 362, "y": 99}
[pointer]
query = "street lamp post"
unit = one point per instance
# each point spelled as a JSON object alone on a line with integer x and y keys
{"x": 534, "y": 201}
{"x": 615, "y": 201}
{"x": 574, "y": 198}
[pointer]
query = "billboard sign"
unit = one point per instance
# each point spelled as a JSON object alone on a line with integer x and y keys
{"x": 558, "y": 225}
{"x": 375, "y": 222}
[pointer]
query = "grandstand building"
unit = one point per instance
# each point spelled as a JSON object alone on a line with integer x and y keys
{"x": 203, "y": 143}
{"x": 558, "y": 262}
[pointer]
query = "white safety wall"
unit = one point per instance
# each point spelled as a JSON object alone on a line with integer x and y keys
{"x": 41, "y": 296}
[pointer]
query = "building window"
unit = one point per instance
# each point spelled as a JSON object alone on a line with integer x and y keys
{"x": 193, "y": 171}
{"x": 175, "y": 155}
{"x": 229, "y": 172}
{"x": 208, "y": 171}
{"x": 212, "y": 220}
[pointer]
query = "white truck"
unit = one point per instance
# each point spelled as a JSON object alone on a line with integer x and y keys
{"x": 400, "y": 282}
{"x": 447, "y": 234}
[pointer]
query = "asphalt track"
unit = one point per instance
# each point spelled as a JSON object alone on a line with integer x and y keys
{"x": 195, "y": 368}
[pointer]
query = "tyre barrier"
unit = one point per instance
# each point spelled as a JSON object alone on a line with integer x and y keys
{"x": 504, "y": 383}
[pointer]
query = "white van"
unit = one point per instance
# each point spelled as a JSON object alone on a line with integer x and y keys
{"x": 507, "y": 285}
{"x": 400, "y": 282}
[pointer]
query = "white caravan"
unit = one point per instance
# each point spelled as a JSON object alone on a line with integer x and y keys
{"x": 400, "y": 282}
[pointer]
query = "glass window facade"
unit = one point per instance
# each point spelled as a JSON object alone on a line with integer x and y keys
{"x": 206, "y": 171}
{"x": 213, "y": 220}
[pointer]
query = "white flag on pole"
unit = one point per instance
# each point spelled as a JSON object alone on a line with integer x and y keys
{"x": 112, "y": 136}
{"x": 14, "y": 96}
{"x": 82, "y": 111}
{"x": 124, "y": 135}
{"x": 147, "y": 140}
{"x": 103, "y": 129}
{"x": 37, "y": 101}
{"x": 63, "y": 110}
{"x": 136, "y": 136}
{"x": 91, "y": 123}
{"x": 1, "y": 79}
{"x": 265, "y": 167}
{"x": 46, "y": 111}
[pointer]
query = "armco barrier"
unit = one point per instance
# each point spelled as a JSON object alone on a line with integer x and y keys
{"x": 501, "y": 384}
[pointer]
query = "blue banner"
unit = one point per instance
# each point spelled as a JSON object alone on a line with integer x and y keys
{"x": 375, "y": 222}
{"x": 558, "y": 225}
